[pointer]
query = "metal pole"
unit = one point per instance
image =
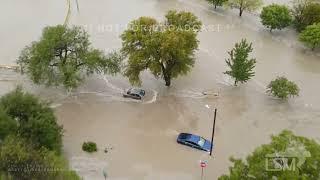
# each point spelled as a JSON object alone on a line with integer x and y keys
{"x": 213, "y": 128}
{"x": 201, "y": 173}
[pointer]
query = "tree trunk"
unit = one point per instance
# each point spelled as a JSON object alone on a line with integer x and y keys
{"x": 235, "y": 83}
{"x": 215, "y": 6}
{"x": 240, "y": 12}
{"x": 167, "y": 79}
{"x": 168, "y": 82}
{"x": 314, "y": 45}
{"x": 166, "y": 75}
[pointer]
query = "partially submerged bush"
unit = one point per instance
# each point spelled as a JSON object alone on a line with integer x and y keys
{"x": 282, "y": 88}
{"x": 89, "y": 147}
{"x": 311, "y": 36}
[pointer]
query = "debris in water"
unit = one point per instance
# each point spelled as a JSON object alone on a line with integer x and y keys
{"x": 216, "y": 94}
{"x": 106, "y": 150}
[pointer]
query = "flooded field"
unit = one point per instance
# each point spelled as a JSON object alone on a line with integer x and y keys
{"x": 141, "y": 136}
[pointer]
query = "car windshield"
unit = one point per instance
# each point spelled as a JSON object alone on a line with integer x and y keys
{"x": 136, "y": 91}
{"x": 201, "y": 142}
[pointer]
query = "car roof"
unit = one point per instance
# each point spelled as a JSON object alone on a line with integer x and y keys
{"x": 136, "y": 91}
{"x": 194, "y": 138}
{"x": 189, "y": 137}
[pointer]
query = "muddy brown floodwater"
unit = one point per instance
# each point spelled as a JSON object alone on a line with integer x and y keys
{"x": 140, "y": 136}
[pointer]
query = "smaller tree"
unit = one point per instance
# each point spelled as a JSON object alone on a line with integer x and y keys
{"x": 245, "y": 5}
{"x": 311, "y": 36}
{"x": 276, "y": 16}
{"x": 239, "y": 62}
{"x": 216, "y": 3}
{"x": 282, "y": 88}
{"x": 305, "y": 12}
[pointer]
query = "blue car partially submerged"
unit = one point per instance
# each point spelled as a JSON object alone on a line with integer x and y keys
{"x": 194, "y": 141}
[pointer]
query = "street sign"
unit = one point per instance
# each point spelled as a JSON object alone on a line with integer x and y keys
{"x": 203, "y": 164}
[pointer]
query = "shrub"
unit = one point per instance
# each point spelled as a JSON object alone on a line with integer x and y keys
{"x": 89, "y": 147}
{"x": 275, "y": 16}
{"x": 282, "y": 88}
{"x": 311, "y": 36}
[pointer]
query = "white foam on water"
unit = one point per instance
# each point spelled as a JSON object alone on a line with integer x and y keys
{"x": 95, "y": 93}
{"x": 225, "y": 80}
{"x": 112, "y": 86}
{"x": 190, "y": 94}
{"x": 56, "y": 105}
{"x": 154, "y": 98}
{"x": 260, "y": 85}
{"x": 171, "y": 132}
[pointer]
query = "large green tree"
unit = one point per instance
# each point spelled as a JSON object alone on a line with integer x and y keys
{"x": 33, "y": 119}
{"x": 7, "y": 124}
{"x": 165, "y": 49}
{"x": 216, "y": 3}
{"x": 64, "y": 56}
{"x": 285, "y": 150}
{"x": 30, "y": 140}
{"x": 245, "y": 5}
{"x": 241, "y": 66}
{"x": 311, "y": 36}
{"x": 20, "y": 160}
{"x": 275, "y": 16}
{"x": 305, "y": 12}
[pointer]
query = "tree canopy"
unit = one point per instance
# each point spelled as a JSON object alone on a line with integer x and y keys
{"x": 275, "y": 16}
{"x": 30, "y": 140}
{"x": 245, "y": 5}
{"x": 278, "y": 154}
{"x": 64, "y": 56}
{"x": 20, "y": 160}
{"x": 305, "y": 12}
{"x": 311, "y": 36}
{"x": 241, "y": 66}
{"x": 282, "y": 88}
{"x": 216, "y": 3}
{"x": 34, "y": 119}
{"x": 165, "y": 49}
{"x": 7, "y": 124}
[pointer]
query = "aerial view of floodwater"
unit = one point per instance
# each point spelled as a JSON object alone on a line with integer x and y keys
{"x": 141, "y": 135}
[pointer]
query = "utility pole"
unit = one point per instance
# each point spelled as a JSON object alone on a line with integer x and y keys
{"x": 213, "y": 128}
